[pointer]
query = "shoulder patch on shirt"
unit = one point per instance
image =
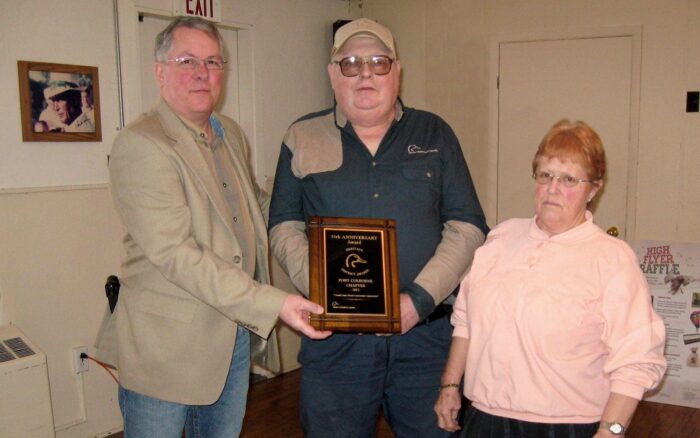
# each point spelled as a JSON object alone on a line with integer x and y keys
{"x": 315, "y": 144}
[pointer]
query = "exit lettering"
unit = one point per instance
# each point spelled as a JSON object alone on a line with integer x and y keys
{"x": 200, "y": 8}
{"x": 206, "y": 9}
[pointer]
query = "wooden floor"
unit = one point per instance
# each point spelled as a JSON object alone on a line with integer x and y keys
{"x": 273, "y": 412}
{"x": 273, "y": 409}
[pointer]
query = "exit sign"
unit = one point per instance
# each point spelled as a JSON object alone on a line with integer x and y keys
{"x": 207, "y": 9}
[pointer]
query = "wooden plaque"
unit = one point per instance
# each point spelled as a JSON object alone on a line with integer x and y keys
{"x": 353, "y": 274}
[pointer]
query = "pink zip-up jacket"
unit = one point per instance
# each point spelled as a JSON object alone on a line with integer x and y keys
{"x": 555, "y": 324}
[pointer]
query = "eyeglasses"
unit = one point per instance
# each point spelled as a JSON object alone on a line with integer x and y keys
{"x": 565, "y": 180}
{"x": 352, "y": 65}
{"x": 193, "y": 63}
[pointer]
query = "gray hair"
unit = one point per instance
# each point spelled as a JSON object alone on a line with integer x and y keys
{"x": 164, "y": 40}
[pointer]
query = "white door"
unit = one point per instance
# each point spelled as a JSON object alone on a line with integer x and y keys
{"x": 541, "y": 82}
{"x": 149, "y": 27}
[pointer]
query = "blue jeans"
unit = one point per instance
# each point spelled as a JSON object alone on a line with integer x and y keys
{"x": 147, "y": 417}
{"x": 346, "y": 378}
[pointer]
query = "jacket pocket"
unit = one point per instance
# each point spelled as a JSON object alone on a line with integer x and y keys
{"x": 167, "y": 306}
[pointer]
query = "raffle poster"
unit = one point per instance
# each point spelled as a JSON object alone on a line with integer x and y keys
{"x": 673, "y": 272}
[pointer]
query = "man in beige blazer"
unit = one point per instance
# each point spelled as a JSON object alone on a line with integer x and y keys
{"x": 194, "y": 281}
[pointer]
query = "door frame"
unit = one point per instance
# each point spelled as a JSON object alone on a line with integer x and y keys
{"x": 633, "y": 31}
{"x": 129, "y": 68}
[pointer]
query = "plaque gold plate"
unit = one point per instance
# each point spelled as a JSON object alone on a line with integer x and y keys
{"x": 353, "y": 274}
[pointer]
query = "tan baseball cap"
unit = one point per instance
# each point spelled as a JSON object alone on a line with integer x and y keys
{"x": 60, "y": 83}
{"x": 364, "y": 26}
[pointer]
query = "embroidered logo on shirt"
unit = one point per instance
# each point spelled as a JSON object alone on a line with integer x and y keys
{"x": 415, "y": 149}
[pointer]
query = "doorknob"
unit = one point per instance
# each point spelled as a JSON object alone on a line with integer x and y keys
{"x": 613, "y": 231}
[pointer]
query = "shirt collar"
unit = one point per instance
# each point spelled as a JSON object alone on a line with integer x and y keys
{"x": 341, "y": 119}
{"x": 200, "y": 134}
{"x": 583, "y": 230}
{"x": 216, "y": 126}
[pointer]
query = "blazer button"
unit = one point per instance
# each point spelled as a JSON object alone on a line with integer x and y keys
{"x": 237, "y": 259}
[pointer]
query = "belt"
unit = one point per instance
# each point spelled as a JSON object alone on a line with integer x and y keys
{"x": 440, "y": 311}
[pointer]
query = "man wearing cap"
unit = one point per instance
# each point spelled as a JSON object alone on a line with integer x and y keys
{"x": 64, "y": 97}
{"x": 193, "y": 297}
{"x": 372, "y": 157}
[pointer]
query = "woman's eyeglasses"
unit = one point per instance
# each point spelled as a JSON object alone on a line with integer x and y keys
{"x": 565, "y": 180}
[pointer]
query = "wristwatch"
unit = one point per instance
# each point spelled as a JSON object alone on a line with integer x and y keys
{"x": 613, "y": 427}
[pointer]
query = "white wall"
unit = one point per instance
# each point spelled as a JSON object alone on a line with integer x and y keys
{"x": 58, "y": 35}
{"x": 457, "y": 41}
{"x": 58, "y": 247}
{"x": 59, "y": 235}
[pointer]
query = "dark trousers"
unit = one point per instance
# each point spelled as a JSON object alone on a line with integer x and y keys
{"x": 347, "y": 378}
{"x": 478, "y": 424}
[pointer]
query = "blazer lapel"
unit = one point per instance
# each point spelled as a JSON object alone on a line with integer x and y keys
{"x": 185, "y": 146}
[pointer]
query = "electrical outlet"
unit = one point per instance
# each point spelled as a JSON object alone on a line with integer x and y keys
{"x": 80, "y": 365}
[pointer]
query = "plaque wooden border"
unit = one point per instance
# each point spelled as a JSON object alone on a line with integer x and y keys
{"x": 389, "y": 321}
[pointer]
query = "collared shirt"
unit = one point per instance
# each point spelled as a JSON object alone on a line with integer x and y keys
{"x": 555, "y": 324}
{"x": 221, "y": 166}
{"x": 418, "y": 177}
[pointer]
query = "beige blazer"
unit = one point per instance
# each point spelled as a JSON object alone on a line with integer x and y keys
{"x": 183, "y": 289}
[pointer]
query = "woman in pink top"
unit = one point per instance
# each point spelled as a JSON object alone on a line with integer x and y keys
{"x": 554, "y": 330}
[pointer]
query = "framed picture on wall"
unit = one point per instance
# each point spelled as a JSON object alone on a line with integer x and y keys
{"x": 59, "y": 102}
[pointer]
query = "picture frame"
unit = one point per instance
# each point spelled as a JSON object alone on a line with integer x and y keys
{"x": 59, "y": 102}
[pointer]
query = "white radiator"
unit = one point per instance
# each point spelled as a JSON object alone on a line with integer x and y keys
{"x": 25, "y": 399}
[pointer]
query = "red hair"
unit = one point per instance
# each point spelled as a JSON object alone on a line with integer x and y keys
{"x": 573, "y": 141}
